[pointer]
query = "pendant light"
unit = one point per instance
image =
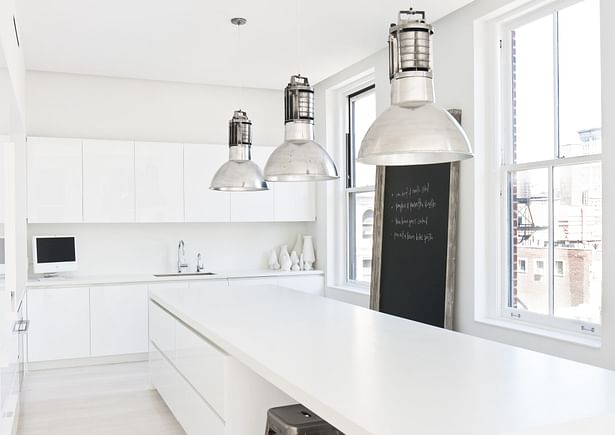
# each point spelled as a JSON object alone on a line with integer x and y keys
{"x": 239, "y": 173}
{"x": 414, "y": 130}
{"x": 299, "y": 157}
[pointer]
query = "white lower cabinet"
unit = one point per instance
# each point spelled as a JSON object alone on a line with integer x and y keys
{"x": 201, "y": 364}
{"x": 208, "y": 391}
{"x": 190, "y": 410}
{"x": 118, "y": 319}
{"x": 248, "y": 282}
{"x": 314, "y": 284}
{"x": 162, "y": 330}
{"x": 188, "y": 372}
{"x": 59, "y": 323}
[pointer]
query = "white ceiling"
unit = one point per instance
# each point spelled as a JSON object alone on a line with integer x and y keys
{"x": 193, "y": 40}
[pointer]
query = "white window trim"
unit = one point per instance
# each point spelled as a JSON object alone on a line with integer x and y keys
{"x": 493, "y": 127}
{"x": 337, "y": 220}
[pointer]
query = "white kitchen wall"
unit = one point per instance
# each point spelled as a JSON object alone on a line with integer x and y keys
{"x": 71, "y": 105}
{"x": 67, "y": 105}
{"x": 454, "y": 80}
{"x": 128, "y": 249}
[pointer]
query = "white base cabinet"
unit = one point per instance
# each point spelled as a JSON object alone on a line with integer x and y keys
{"x": 59, "y": 324}
{"x": 118, "y": 320}
{"x": 112, "y": 321}
{"x": 208, "y": 391}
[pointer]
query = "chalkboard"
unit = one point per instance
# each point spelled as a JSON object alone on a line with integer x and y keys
{"x": 414, "y": 242}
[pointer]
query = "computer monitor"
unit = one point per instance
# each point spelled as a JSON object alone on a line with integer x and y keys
{"x": 53, "y": 254}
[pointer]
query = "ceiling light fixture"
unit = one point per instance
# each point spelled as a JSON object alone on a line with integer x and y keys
{"x": 413, "y": 130}
{"x": 299, "y": 157}
{"x": 239, "y": 173}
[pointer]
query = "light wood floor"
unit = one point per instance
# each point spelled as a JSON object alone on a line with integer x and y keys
{"x": 112, "y": 399}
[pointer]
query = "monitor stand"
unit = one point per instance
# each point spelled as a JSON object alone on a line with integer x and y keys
{"x": 51, "y": 275}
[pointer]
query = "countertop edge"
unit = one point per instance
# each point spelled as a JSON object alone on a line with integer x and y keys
{"x": 151, "y": 279}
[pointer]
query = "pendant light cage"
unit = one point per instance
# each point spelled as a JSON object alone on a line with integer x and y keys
{"x": 299, "y": 100}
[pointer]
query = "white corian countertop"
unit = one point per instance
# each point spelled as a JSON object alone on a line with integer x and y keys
{"x": 370, "y": 373}
{"x": 78, "y": 281}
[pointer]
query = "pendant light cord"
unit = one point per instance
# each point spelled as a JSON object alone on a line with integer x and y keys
{"x": 239, "y": 65}
{"x": 298, "y": 25}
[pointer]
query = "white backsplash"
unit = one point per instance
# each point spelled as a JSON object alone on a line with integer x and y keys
{"x": 126, "y": 249}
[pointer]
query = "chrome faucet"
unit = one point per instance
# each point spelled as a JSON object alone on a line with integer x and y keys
{"x": 181, "y": 257}
{"x": 199, "y": 263}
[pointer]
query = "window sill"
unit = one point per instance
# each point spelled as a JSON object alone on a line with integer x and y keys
{"x": 594, "y": 342}
{"x": 358, "y": 289}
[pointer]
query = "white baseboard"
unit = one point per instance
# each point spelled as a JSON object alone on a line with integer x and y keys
{"x": 84, "y": 362}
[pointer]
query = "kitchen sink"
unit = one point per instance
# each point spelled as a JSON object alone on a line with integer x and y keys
{"x": 166, "y": 275}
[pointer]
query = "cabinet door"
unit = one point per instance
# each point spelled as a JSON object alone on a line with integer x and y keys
{"x": 54, "y": 180}
{"x": 118, "y": 319}
{"x": 249, "y": 282}
{"x": 59, "y": 323}
{"x": 159, "y": 182}
{"x": 201, "y": 204}
{"x": 314, "y": 284}
{"x": 108, "y": 181}
{"x": 294, "y": 201}
{"x": 254, "y": 206}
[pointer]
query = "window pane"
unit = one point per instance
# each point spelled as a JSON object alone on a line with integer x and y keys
{"x": 529, "y": 217}
{"x": 579, "y": 79}
{"x": 533, "y": 101}
{"x": 363, "y": 115}
{"x": 578, "y": 241}
{"x": 360, "y": 234}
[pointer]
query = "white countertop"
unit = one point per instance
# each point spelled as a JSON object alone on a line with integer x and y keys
{"x": 78, "y": 281}
{"x": 370, "y": 373}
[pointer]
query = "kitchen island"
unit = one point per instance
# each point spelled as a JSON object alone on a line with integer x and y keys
{"x": 364, "y": 372}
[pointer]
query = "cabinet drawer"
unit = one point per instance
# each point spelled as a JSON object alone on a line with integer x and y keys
{"x": 190, "y": 410}
{"x": 162, "y": 330}
{"x": 202, "y": 364}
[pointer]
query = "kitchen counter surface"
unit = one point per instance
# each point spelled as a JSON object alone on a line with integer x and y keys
{"x": 150, "y": 278}
{"x": 370, "y": 373}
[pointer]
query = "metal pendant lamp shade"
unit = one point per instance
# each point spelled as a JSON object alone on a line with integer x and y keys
{"x": 239, "y": 173}
{"x": 414, "y": 130}
{"x": 299, "y": 157}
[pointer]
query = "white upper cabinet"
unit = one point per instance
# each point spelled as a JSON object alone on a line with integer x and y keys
{"x": 254, "y": 206}
{"x": 159, "y": 182}
{"x": 294, "y": 201}
{"x": 108, "y": 181}
{"x": 202, "y": 204}
{"x": 54, "y": 180}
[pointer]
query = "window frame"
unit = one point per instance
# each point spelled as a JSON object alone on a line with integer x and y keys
{"x": 350, "y": 189}
{"x": 506, "y": 166}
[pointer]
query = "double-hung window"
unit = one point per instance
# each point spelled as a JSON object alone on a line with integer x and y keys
{"x": 550, "y": 171}
{"x": 360, "y": 188}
